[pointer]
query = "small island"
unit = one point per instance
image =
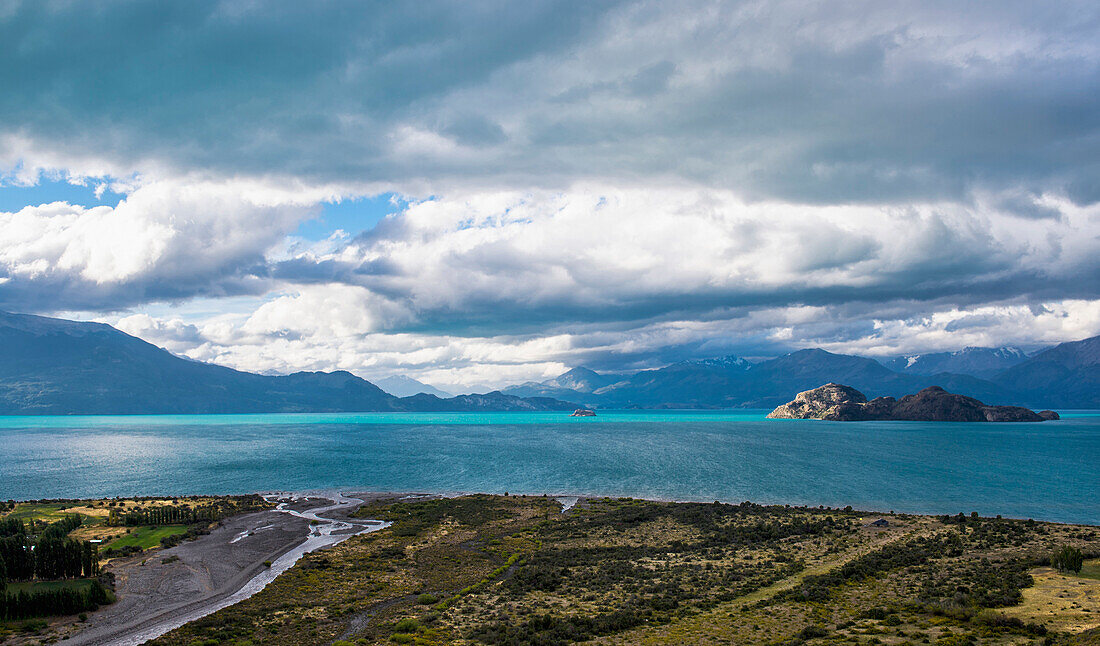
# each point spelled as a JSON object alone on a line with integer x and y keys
{"x": 839, "y": 403}
{"x": 583, "y": 412}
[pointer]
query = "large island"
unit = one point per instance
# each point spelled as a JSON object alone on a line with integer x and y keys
{"x": 838, "y": 403}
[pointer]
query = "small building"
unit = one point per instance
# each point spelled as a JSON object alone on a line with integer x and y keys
{"x": 881, "y": 522}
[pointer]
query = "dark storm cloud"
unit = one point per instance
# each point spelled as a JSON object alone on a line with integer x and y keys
{"x": 307, "y": 90}
{"x": 819, "y": 102}
{"x": 53, "y": 294}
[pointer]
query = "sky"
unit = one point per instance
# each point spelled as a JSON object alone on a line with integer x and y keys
{"x": 483, "y": 193}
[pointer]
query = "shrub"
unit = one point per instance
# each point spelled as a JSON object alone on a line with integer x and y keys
{"x": 407, "y": 625}
{"x": 999, "y": 621}
{"x": 427, "y": 599}
{"x": 33, "y": 626}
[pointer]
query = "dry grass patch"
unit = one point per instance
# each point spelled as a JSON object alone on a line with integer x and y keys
{"x": 1065, "y": 602}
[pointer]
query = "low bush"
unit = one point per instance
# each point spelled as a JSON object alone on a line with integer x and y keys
{"x": 810, "y": 632}
{"x": 407, "y": 625}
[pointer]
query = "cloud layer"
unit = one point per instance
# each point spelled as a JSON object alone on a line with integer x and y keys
{"x": 502, "y": 261}
{"x": 621, "y": 184}
{"x": 163, "y": 242}
{"x": 802, "y": 101}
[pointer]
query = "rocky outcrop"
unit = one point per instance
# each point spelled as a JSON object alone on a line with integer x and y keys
{"x": 840, "y": 403}
{"x": 934, "y": 404}
{"x": 823, "y": 402}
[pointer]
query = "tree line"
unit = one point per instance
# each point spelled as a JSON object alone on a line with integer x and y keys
{"x": 61, "y": 601}
{"x": 164, "y": 515}
{"x": 49, "y": 556}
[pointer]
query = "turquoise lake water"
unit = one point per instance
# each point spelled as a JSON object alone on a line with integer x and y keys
{"x": 1048, "y": 471}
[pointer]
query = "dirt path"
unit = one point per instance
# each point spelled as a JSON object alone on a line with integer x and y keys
{"x": 233, "y": 562}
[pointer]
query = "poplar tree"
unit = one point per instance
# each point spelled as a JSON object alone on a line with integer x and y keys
{"x": 1068, "y": 559}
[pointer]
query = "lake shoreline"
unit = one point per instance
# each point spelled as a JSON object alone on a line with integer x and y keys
{"x": 368, "y": 495}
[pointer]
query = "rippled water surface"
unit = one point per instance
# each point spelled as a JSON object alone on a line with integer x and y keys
{"x": 1047, "y": 471}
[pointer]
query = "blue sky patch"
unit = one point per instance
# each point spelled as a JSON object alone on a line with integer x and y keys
{"x": 14, "y": 198}
{"x": 351, "y": 215}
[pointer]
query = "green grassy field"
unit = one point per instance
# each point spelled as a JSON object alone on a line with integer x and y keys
{"x": 1091, "y": 570}
{"x": 38, "y": 586}
{"x": 48, "y": 512}
{"x": 146, "y": 537}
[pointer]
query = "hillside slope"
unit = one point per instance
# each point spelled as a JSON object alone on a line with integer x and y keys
{"x": 1065, "y": 376}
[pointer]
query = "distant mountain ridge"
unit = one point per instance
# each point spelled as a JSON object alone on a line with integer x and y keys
{"x": 53, "y": 366}
{"x": 1066, "y": 376}
{"x": 728, "y": 361}
{"x": 582, "y": 380}
{"x": 984, "y": 363}
{"x": 404, "y": 386}
{"x": 578, "y": 381}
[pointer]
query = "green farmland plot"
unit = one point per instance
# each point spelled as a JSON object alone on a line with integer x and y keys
{"x": 146, "y": 537}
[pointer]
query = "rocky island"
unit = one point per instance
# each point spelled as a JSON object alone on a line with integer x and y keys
{"x": 836, "y": 402}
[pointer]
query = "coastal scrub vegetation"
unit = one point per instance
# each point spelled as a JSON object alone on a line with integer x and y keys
{"x": 503, "y": 570}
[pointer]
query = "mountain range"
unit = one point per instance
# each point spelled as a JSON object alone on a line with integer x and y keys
{"x": 985, "y": 363}
{"x": 54, "y": 366}
{"x": 1065, "y": 376}
{"x": 405, "y": 386}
